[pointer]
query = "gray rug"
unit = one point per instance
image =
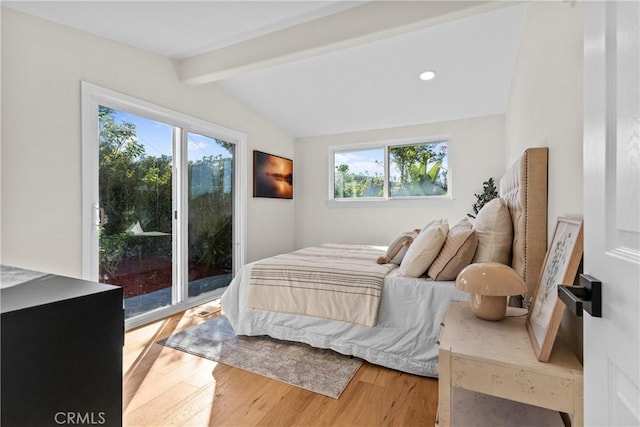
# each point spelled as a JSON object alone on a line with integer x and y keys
{"x": 321, "y": 371}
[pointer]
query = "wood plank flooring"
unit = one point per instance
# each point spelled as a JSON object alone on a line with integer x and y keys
{"x": 167, "y": 387}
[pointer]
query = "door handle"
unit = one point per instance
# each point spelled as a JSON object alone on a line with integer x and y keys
{"x": 587, "y": 296}
{"x": 101, "y": 220}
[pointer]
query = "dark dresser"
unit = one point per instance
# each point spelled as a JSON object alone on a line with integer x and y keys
{"x": 61, "y": 350}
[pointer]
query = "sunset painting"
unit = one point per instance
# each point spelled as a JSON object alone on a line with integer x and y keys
{"x": 272, "y": 176}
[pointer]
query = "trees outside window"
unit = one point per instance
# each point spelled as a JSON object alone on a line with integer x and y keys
{"x": 136, "y": 198}
{"x": 392, "y": 171}
{"x": 359, "y": 174}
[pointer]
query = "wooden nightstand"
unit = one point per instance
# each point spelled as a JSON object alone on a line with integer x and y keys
{"x": 497, "y": 359}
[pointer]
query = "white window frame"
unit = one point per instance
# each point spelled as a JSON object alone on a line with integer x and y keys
{"x": 385, "y": 145}
{"x": 92, "y": 97}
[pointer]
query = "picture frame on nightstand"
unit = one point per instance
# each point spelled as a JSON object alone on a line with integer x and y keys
{"x": 559, "y": 268}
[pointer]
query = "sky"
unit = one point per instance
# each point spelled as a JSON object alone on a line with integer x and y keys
{"x": 363, "y": 162}
{"x": 157, "y": 138}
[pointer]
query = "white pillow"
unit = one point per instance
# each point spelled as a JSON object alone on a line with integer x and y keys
{"x": 494, "y": 229}
{"x": 424, "y": 249}
{"x": 398, "y": 248}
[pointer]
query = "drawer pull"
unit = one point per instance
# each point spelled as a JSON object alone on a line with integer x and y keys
{"x": 440, "y": 333}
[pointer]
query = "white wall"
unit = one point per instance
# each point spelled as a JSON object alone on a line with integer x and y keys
{"x": 545, "y": 109}
{"x": 1, "y": 174}
{"x": 545, "y": 101}
{"x": 476, "y": 152}
{"x": 42, "y": 66}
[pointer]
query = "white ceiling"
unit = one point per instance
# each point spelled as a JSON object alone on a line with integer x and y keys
{"x": 179, "y": 29}
{"x": 367, "y": 85}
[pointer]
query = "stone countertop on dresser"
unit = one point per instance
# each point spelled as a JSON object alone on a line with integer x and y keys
{"x": 25, "y": 288}
{"x": 12, "y": 276}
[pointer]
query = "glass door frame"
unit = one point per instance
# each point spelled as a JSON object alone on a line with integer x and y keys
{"x": 92, "y": 97}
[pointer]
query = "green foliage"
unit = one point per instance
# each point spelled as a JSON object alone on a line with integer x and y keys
{"x": 112, "y": 249}
{"x": 136, "y": 187}
{"x": 210, "y": 208}
{"x": 133, "y": 186}
{"x": 489, "y": 192}
{"x": 210, "y": 241}
{"x": 433, "y": 172}
{"x": 421, "y": 170}
{"x": 350, "y": 185}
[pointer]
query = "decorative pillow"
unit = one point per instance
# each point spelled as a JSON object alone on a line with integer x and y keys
{"x": 398, "y": 248}
{"x": 457, "y": 252}
{"x": 494, "y": 229}
{"x": 424, "y": 249}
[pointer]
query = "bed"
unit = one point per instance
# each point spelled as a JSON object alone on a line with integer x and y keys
{"x": 410, "y": 310}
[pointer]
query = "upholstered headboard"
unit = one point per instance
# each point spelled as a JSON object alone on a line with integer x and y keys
{"x": 524, "y": 189}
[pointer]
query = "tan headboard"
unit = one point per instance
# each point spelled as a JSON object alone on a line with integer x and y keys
{"x": 524, "y": 189}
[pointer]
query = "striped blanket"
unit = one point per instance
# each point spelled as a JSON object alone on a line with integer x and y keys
{"x": 333, "y": 281}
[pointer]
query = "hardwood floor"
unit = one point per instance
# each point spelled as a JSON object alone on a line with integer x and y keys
{"x": 167, "y": 387}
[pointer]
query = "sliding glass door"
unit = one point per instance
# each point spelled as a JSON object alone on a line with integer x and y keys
{"x": 162, "y": 216}
{"x": 135, "y": 160}
{"x": 210, "y": 205}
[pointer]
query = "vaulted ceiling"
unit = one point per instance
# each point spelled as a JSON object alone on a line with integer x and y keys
{"x": 323, "y": 67}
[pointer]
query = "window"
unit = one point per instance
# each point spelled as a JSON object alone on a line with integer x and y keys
{"x": 391, "y": 171}
{"x": 359, "y": 173}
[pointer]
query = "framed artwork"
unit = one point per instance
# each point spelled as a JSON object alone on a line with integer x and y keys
{"x": 272, "y": 176}
{"x": 559, "y": 268}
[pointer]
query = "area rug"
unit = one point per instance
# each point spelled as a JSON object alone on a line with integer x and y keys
{"x": 321, "y": 371}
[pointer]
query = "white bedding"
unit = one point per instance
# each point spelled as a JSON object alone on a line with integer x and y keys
{"x": 404, "y": 338}
{"x": 323, "y": 281}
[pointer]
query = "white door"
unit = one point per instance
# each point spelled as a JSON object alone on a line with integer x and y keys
{"x": 612, "y": 211}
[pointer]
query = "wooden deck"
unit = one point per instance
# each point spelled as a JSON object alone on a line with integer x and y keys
{"x": 167, "y": 387}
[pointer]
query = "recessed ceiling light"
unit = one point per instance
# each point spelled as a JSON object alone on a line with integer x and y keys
{"x": 427, "y": 75}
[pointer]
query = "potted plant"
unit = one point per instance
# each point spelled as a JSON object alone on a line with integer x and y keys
{"x": 489, "y": 192}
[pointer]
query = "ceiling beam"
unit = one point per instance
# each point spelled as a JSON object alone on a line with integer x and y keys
{"x": 362, "y": 24}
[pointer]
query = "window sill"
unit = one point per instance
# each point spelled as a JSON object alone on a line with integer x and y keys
{"x": 390, "y": 202}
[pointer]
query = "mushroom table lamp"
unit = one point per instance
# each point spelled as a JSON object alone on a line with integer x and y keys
{"x": 490, "y": 284}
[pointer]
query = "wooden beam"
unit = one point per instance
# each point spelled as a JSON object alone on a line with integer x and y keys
{"x": 363, "y": 24}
